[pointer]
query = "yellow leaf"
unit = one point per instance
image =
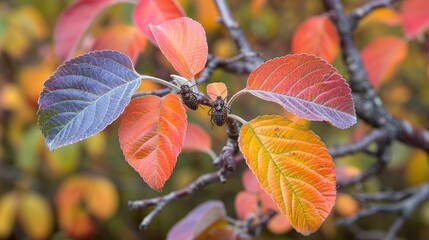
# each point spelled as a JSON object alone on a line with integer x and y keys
{"x": 293, "y": 166}
{"x": 35, "y": 216}
{"x": 95, "y": 145}
{"x": 63, "y": 160}
{"x": 417, "y": 170}
{"x": 8, "y": 204}
{"x": 102, "y": 198}
{"x": 207, "y": 14}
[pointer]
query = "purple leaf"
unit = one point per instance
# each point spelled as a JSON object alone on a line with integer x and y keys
{"x": 84, "y": 95}
{"x": 198, "y": 220}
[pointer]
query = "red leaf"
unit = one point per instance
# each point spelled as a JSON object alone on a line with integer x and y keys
{"x": 151, "y": 135}
{"x": 183, "y": 42}
{"x": 307, "y": 86}
{"x": 316, "y": 35}
{"x": 155, "y": 12}
{"x": 198, "y": 220}
{"x": 197, "y": 139}
{"x": 382, "y": 57}
{"x": 73, "y": 23}
{"x": 217, "y": 89}
{"x": 415, "y": 15}
{"x": 123, "y": 38}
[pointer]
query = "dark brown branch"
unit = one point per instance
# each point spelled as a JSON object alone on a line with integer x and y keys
{"x": 383, "y": 157}
{"x": 161, "y": 202}
{"x": 359, "y": 145}
{"x": 405, "y": 207}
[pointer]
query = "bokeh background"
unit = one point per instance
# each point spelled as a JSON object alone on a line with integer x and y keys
{"x": 83, "y": 189}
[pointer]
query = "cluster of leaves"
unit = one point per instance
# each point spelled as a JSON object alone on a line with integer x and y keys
{"x": 292, "y": 165}
{"x": 89, "y": 92}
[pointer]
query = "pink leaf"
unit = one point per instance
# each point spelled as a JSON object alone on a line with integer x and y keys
{"x": 151, "y": 135}
{"x": 415, "y": 15}
{"x": 197, "y": 221}
{"x": 197, "y": 139}
{"x": 155, "y": 12}
{"x": 250, "y": 183}
{"x": 183, "y": 42}
{"x": 123, "y": 38}
{"x": 307, "y": 86}
{"x": 73, "y": 23}
{"x": 246, "y": 203}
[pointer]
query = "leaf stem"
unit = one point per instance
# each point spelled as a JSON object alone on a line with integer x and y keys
{"x": 212, "y": 154}
{"x": 236, "y": 95}
{"x": 237, "y": 118}
{"x": 160, "y": 81}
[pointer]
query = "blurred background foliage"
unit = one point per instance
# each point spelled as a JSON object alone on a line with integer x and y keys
{"x": 82, "y": 190}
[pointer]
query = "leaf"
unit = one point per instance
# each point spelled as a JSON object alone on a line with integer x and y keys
{"x": 217, "y": 89}
{"x": 151, "y": 135}
{"x": 197, "y": 221}
{"x": 35, "y": 216}
{"x": 245, "y": 203}
{"x": 417, "y": 168}
{"x": 73, "y": 23}
{"x": 84, "y": 95}
{"x": 102, "y": 198}
{"x": 31, "y": 79}
{"x": 250, "y": 183}
{"x": 279, "y": 224}
{"x": 123, "y": 38}
{"x": 316, "y": 35}
{"x": 307, "y": 86}
{"x": 386, "y": 16}
{"x": 183, "y": 42}
{"x": 293, "y": 166}
{"x": 155, "y": 12}
{"x": 207, "y": 14}
{"x": 197, "y": 139}
{"x": 82, "y": 198}
{"x": 382, "y": 57}
{"x": 62, "y": 161}
{"x": 8, "y": 211}
{"x": 345, "y": 205}
{"x": 415, "y": 16}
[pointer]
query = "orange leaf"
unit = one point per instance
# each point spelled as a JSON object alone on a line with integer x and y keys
{"x": 79, "y": 199}
{"x": 382, "y": 57}
{"x": 197, "y": 139}
{"x": 293, "y": 166}
{"x": 345, "y": 205}
{"x": 183, "y": 42}
{"x": 386, "y": 16}
{"x": 207, "y": 14}
{"x": 217, "y": 89}
{"x": 415, "y": 15}
{"x": 279, "y": 224}
{"x": 316, "y": 35}
{"x": 155, "y": 12}
{"x": 151, "y": 135}
{"x": 123, "y": 38}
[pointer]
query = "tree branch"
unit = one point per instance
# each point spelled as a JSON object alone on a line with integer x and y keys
{"x": 366, "y": 9}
